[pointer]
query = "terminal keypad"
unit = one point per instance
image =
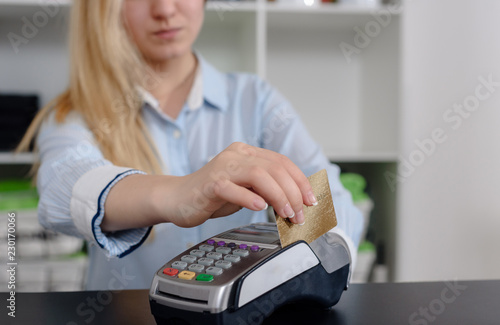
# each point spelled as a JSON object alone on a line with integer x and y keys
{"x": 209, "y": 260}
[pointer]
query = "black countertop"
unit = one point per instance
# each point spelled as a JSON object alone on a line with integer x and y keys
{"x": 467, "y": 302}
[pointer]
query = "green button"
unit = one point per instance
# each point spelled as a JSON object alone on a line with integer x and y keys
{"x": 205, "y": 277}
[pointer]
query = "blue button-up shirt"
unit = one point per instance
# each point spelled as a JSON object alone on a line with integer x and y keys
{"x": 74, "y": 178}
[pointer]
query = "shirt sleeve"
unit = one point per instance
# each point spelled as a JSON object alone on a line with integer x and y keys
{"x": 286, "y": 134}
{"x": 73, "y": 182}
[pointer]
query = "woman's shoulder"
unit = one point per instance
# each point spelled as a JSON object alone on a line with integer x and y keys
{"x": 54, "y": 122}
{"x": 249, "y": 78}
{"x": 249, "y": 82}
{"x": 244, "y": 89}
{"x": 234, "y": 80}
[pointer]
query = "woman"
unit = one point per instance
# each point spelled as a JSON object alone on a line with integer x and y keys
{"x": 149, "y": 133}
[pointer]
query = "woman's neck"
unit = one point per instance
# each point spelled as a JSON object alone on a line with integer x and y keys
{"x": 170, "y": 82}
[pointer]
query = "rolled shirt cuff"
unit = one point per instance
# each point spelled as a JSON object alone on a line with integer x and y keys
{"x": 87, "y": 211}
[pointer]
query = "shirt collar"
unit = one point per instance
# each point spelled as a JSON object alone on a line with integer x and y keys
{"x": 214, "y": 84}
{"x": 147, "y": 98}
{"x": 209, "y": 85}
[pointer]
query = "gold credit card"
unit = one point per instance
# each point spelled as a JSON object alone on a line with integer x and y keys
{"x": 319, "y": 219}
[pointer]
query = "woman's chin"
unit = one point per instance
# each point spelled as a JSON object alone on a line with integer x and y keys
{"x": 169, "y": 54}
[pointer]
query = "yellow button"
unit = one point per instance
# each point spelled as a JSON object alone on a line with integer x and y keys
{"x": 186, "y": 275}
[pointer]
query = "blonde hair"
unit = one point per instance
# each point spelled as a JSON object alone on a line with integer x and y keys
{"x": 105, "y": 70}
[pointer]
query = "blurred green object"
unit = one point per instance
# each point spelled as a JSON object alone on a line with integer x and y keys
{"x": 17, "y": 195}
{"x": 11, "y": 185}
{"x": 355, "y": 184}
{"x": 366, "y": 246}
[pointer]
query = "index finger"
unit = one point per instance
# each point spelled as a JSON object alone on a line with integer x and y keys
{"x": 297, "y": 175}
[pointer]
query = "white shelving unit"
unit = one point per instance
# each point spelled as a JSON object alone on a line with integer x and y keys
{"x": 351, "y": 108}
{"x": 350, "y": 105}
{"x": 21, "y": 158}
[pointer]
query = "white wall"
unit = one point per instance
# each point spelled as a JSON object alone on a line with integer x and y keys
{"x": 39, "y": 64}
{"x": 449, "y": 206}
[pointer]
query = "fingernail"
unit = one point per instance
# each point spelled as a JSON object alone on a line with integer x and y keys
{"x": 288, "y": 211}
{"x": 301, "y": 224}
{"x": 261, "y": 205}
{"x": 300, "y": 216}
{"x": 312, "y": 198}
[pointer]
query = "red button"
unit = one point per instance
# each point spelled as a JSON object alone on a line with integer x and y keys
{"x": 170, "y": 271}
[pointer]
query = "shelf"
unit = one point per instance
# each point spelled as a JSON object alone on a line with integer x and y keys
{"x": 346, "y": 156}
{"x": 324, "y": 8}
{"x": 21, "y": 158}
{"x": 277, "y": 7}
{"x": 280, "y": 14}
{"x": 241, "y": 6}
{"x": 34, "y": 2}
{"x": 230, "y": 6}
{"x": 342, "y": 156}
{"x": 211, "y": 5}
{"x": 333, "y": 17}
{"x": 16, "y": 9}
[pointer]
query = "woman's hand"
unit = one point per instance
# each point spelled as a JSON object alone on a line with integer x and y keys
{"x": 242, "y": 176}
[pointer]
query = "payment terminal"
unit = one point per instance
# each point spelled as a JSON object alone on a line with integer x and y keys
{"x": 242, "y": 275}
